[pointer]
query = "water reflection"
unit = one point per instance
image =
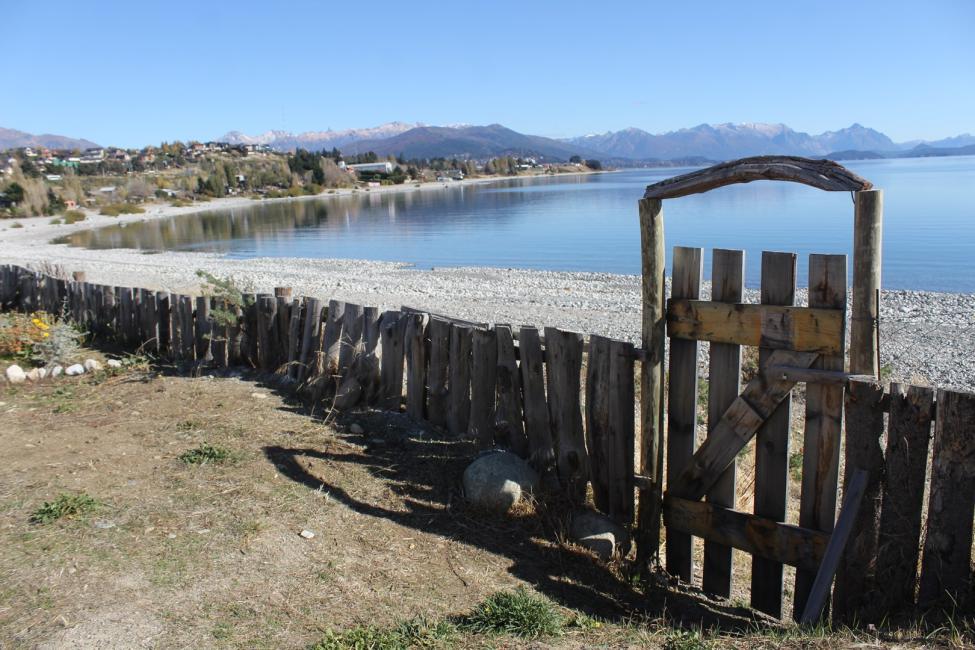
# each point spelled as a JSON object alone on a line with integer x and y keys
{"x": 589, "y": 223}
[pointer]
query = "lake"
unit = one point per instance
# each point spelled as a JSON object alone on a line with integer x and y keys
{"x": 590, "y": 223}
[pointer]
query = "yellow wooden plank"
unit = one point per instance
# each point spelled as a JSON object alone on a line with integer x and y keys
{"x": 768, "y": 326}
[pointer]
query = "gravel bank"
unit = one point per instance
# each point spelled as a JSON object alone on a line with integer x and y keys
{"x": 927, "y": 337}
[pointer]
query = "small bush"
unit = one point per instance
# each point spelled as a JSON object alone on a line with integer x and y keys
{"x": 66, "y": 505}
{"x": 73, "y": 216}
{"x": 206, "y": 453}
{"x": 115, "y": 209}
{"x": 229, "y": 298}
{"x": 179, "y": 203}
{"x": 55, "y": 221}
{"x": 518, "y": 612}
{"x": 16, "y": 224}
{"x": 60, "y": 342}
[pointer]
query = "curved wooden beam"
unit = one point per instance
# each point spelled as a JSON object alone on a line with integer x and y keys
{"x": 823, "y": 174}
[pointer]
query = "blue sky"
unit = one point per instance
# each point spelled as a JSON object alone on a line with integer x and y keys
{"x": 134, "y": 73}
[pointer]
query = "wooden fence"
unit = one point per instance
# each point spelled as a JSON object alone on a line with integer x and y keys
{"x": 568, "y": 405}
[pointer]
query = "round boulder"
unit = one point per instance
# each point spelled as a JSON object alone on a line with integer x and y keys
{"x": 16, "y": 375}
{"x": 497, "y": 480}
{"x": 74, "y": 370}
{"x": 599, "y": 533}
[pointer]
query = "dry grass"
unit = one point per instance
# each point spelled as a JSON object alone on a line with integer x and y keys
{"x": 210, "y": 554}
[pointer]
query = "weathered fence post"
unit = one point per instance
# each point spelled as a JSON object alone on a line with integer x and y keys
{"x": 653, "y": 260}
{"x": 868, "y": 221}
{"x": 946, "y": 570}
{"x": 864, "y": 427}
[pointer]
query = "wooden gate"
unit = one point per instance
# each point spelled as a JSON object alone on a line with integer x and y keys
{"x": 795, "y": 344}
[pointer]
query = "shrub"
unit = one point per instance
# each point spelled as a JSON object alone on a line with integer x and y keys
{"x": 60, "y": 341}
{"x": 228, "y": 294}
{"x": 16, "y": 224}
{"x": 516, "y": 612}
{"x": 206, "y": 453}
{"x": 55, "y": 222}
{"x": 74, "y": 216}
{"x": 414, "y": 633}
{"x": 66, "y": 505}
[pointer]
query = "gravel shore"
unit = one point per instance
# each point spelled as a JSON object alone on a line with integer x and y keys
{"x": 927, "y": 337}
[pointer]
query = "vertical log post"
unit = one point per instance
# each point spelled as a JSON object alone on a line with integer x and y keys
{"x": 824, "y": 421}
{"x": 868, "y": 219}
{"x": 682, "y": 402}
{"x": 653, "y": 260}
{"x": 772, "y": 441}
{"x": 724, "y": 383}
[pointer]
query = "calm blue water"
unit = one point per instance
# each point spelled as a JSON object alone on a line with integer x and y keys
{"x": 590, "y": 223}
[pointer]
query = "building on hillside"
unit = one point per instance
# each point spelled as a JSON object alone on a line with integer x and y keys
{"x": 384, "y": 167}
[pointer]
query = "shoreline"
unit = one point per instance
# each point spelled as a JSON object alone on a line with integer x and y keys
{"x": 925, "y": 334}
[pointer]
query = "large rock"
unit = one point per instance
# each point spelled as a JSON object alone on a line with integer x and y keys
{"x": 599, "y": 533}
{"x": 91, "y": 365}
{"x": 16, "y": 375}
{"x": 498, "y": 480}
{"x": 74, "y": 370}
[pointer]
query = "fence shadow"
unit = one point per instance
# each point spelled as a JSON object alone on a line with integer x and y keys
{"x": 425, "y": 468}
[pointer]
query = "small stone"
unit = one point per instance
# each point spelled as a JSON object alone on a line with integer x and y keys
{"x": 57, "y": 371}
{"x": 34, "y": 375}
{"x": 497, "y": 480}
{"x": 171, "y": 536}
{"x": 259, "y": 395}
{"x": 16, "y": 375}
{"x": 307, "y": 534}
{"x": 92, "y": 365}
{"x": 74, "y": 370}
{"x": 599, "y": 534}
{"x": 104, "y": 524}
{"x": 356, "y": 428}
{"x": 113, "y": 363}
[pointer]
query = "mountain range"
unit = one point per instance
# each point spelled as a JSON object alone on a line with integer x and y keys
{"x": 695, "y": 145}
{"x": 13, "y": 139}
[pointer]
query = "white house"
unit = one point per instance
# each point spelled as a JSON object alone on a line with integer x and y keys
{"x": 385, "y": 167}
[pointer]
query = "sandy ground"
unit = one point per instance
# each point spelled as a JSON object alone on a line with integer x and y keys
{"x": 926, "y": 336}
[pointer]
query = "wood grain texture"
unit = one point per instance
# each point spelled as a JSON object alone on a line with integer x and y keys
{"x": 459, "y": 385}
{"x": 652, "y": 341}
{"x": 852, "y": 498}
{"x": 310, "y": 337}
{"x": 266, "y": 316}
{"x": 688, "y": 267}
{"x": 510, "y": 422}
{"x": 368, "y": 371}
{"x": 822, "y": 174}
{"x": 416, "y": 365}
{"x": 946, "y": 571}
{"x": 541, "y": 454}
{"x": 868, "y": 219}
{"x": 484, "y": 381}
{"x": 824, "y": 419}
{"x": 610, "y": 426}
{"x": 564, "y": 368}
{"x": 331, "y": 343}
{"x": 772, "y": 441}
{"x": 392, "y": 331}
{"x": 899, "y": 541}
{"x": 756, "y": 535}
{"x": 204, "y": 329}
{"x": 295, "y": 338}
{"x": 724, "y": 384}
{"x": 439, "y": 334}
{"x": 768, "y": 326}
{"x": 864, "y": 427}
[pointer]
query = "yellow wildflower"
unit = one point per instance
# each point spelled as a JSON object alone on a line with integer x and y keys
{"x": 40, "y": 324}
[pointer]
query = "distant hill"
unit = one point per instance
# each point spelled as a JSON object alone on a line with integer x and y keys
{"x": 470, "y": 142}
{"x": 13, "y": 139}
{"x": 728, "y": 141}
{"x": 920, "y": 151}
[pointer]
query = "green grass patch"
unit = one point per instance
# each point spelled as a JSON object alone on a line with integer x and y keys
{"x": 519, "y": 613}
{"x": 16, "y": 224}
{"x": 414, "y": 633}
{"x": 115, "y": 209}
{"x": 64, "y": 506}
{"x": 686, "y": 640}
{"x": 207, "y": 453}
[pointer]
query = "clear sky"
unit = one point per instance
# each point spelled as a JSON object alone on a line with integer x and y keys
{"x": 138, "y": 72}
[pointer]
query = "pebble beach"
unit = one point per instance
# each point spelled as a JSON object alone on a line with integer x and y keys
{"x": 926, "y": 337}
